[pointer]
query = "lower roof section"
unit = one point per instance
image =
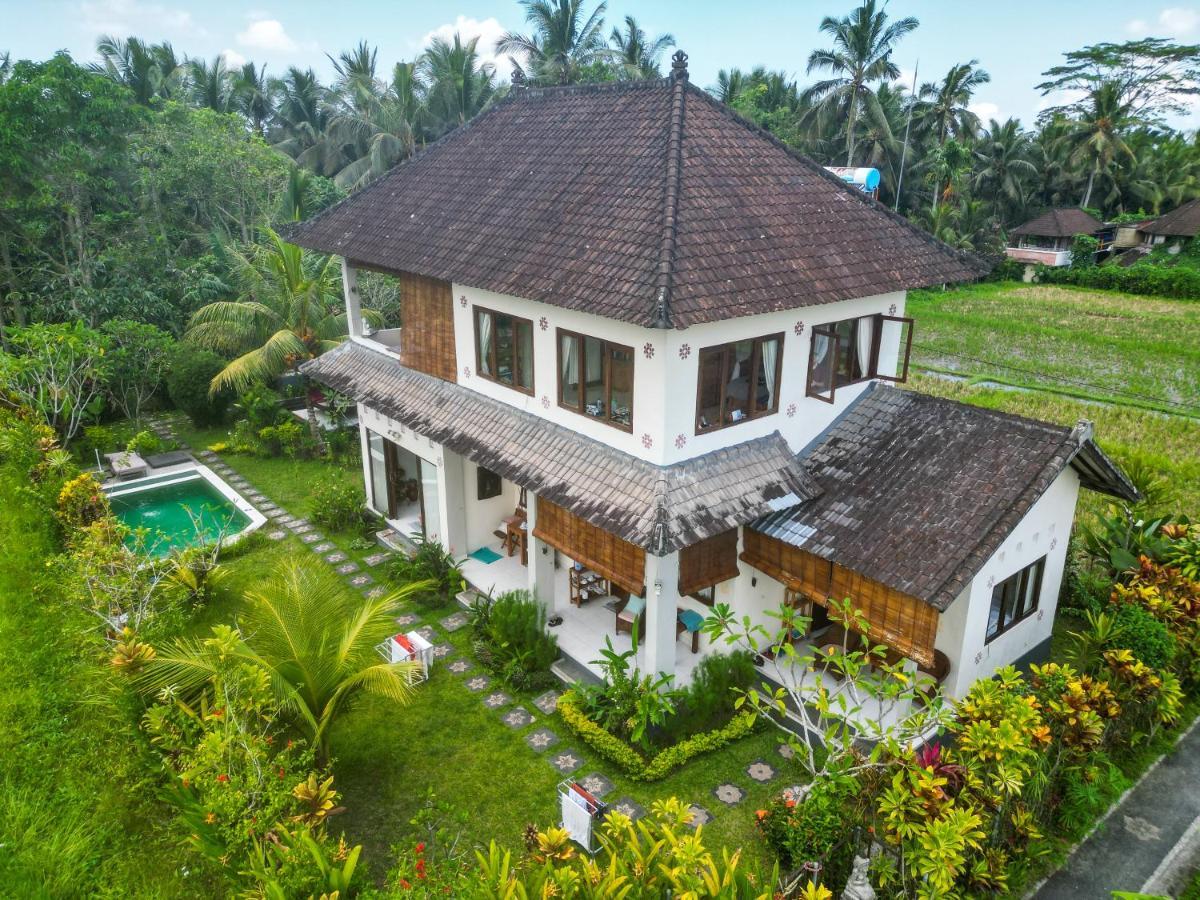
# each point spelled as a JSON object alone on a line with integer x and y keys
{"x": 918, "y": 492}
{"x": 658, "y": 508}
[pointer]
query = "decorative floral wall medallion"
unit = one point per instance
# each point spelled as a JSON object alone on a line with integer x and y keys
{"x": 684, "y": 351}
{"x": 1053, "y": 543}
{"x": 647, "y": 441}
{"x": 462, "y": 301}
{"x": 466, "y": 371}
{"x": 648, "y": 350}
{"x": 991, "y": 581}
{"x": 1041, "y": 614}
{"x": 791, "y": 410}
{"x": 543, "y": 323}
{"x": 680, "y": 441}
{"x": 979, "y": 657}
{"x": 798, "y": 328}
{"x": 892, "y": 310}
{"x": 545, "y": 402}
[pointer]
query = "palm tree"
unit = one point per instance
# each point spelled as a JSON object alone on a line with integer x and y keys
{"x": 211, "y": 83}
{"x": 459, "y": 87}
{"x": 252, "y": 96}
{"x": 313, "y": 639}
{"x": 637, "y": 53}
{"x": 942, "y": 107}
{"x": 1096, "y": 138}
{"x": 861, "y": 55}
{"x": 564, "y": 40}
{"x": 1005, "y": 171}
{"x": 730, "y": 84}
{"x": 303, "y": 116}
{"x": 376, "y": 137}
{"x": 150, "y": 71}
{"x": 5, "y": 66}
{"x": 288, "y": 310}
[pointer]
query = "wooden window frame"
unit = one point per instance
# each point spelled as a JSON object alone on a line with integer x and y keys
{"x": 752, "y": 411}
{"x": 829, "y": 329}
{"x": 515, "y": 386}
{"x": 1037, "y": 570}
{"x": 902, "y": 378}
{"x": 488, "y": 484}
{"x": 606, "y": 348}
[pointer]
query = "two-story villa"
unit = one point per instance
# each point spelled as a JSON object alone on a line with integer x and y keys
{"x": 645, "y": 366}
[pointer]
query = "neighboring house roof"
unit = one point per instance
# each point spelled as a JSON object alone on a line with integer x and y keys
{"x": 658, "y": 508}
{"x": 648, "y": 202}
{"x": 918, "y": 492}
{"x": 1183, "y": 221}
{"x": 1060, "y": 223}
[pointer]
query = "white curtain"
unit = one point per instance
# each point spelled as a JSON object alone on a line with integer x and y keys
{"x": 866, "y": 333}
{"x": 568, "y": 357}
{"x": 770, "y": 355}
{"x": 485, "y": 344}
{"x": 820, "y": 349}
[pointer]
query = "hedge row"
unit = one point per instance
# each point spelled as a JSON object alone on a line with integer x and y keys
{"x": 1181, "y": 282}
{"x": 636, "y": 765}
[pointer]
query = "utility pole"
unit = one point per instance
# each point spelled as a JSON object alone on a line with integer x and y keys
{"x": 912, "y": 101}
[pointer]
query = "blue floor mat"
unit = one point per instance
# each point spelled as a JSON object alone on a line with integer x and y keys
{"x": 485, "y": 555}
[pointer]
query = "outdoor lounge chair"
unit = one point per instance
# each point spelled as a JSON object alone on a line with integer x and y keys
{"x": 126, "y": 465}
{"x": 634, "y": 610}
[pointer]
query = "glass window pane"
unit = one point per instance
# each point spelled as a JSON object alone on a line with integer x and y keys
{"x": 379, "y": 494}
{"x": 712, "y": 376}
{"x": 504, "y": 348}
{"x": 524, "y": 353}
{"x": 993, "y": 624}
{"x": 593, "y": 364}
{"x": 846, "y": 352}
{"x": 621, "y": 379}
{"x": 568, "y": 369}
{"x": 737, "y": 390}
{"x": 864, "y": 343}
{"x": 483, "y": 336}
{"x": 1011, "y": 587}
{"x": 766, "y": 390}
{"x": 821, "y": 361}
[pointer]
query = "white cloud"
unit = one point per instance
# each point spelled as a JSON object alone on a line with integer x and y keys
{"x": 266, "y": 34}
{"x": 150, "y": 21}
{"x": 1173, "y": 22}
{"x": 985, "y": 111}
{"x": 488, "y": 31}
{"x": 905, "y": 79}
{"x": 233, "y": 59}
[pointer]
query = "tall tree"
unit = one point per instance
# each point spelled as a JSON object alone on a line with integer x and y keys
{"x": 943, "y": 106}
{"x": 1004, "y": 171}
{"x": 863, "y": 43}
{"x": 1096, "y": 137}
{"x": 210, "y": 83}
{"x": 459, "y": 86}
{"x": 564, "y": 39}
{"x": 151, "y": 71}
{"x": 637, "y": 52}
{"x": 251, "y": 95}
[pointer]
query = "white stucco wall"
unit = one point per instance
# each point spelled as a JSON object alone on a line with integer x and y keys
{"x": 483, "y": 516}
{"x": 962, "y": 629}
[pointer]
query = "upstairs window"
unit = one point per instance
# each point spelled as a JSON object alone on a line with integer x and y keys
{"x": 738, "y": 381}
{"x": 595, "y": 378}
{"x": 504, "y": 349}
{"x": 847, "y": 352}
{"x": 1015, "y": 599}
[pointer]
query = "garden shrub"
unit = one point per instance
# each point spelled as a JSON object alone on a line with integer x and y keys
{"x": 145, "y": 443}
{"x": 708, "y": 702}
{"x": 190, "y": 371}
{"x": 338, "y": 505}
{"x": 433, "y": 564}
{"x": 288, "y": 438}
{"x": 261, "y": 406}
{"x": 81, "y": 502}
{"x": 814, "y": 827}
{"x": 511, "y": 639}
{"x": 1181, "y": 282}
{"x": 1142, "y": 634}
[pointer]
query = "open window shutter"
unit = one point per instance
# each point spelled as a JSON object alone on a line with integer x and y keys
{"x": 822, "y": 368}
{"x": 709, "y": 562}
{"x": 603, "y": 552}
{"x": 900, "y": 329}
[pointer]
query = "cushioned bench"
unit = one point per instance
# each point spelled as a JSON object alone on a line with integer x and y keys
{"x": 631, "y": 612}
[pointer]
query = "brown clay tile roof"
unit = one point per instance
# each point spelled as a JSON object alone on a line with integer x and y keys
{"x": 1061, "y": 223}
{"x": 659, "y": 508}
{"x": 918, "y": 492}
{"x": 1183, "y": 221}
{"x": 647, "y": 202}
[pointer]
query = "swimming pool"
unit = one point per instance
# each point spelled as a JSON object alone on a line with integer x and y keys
{"x": 182, "y": 509}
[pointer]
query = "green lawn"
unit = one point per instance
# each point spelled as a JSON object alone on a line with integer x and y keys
{"x": 1139, "y": 351}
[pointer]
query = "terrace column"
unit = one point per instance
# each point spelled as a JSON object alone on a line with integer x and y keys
{"x": 354, "y": 321}
{"x": 454, "y": 496}
{"x": 541, "y": 563}
{"x": 662, "y": 599}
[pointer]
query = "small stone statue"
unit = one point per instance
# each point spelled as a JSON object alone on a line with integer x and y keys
{"x": 859, "y": 885}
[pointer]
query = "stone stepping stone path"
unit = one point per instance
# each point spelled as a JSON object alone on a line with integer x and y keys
{"x": 441, "y": 651}
{"x": 362, "y": 580}
{"x": 566, "y": 761}
{"x": 273, "y": 514}
{"x": 518, "y": 717}
{"x": 596, "y": 784}
{"x": 787, "y": 751}
{"x": 334, "y": 558}
{"x": 376, "y": 558}
{"x": 323, "y": 547}
{"x": 376, "y": 592}
{"x": 542, "y": 739}
{"x": 277, "y": 534}
{"x": 497, "y": 700}
{"x": 548, "y": 702}
{"x": 347, "y": 568}
{"x": 626, "y": 806}
{"x": 306, "y": 528}
{"x": 454, "y": 622}
{"x": 311, "y": 538}
{"x": 406, "y": 619}
{"x": 760, "y": 771}
{"x": 478, "y": 683}
{"x": 729, "y": 794}
{"x": 427, "y": 632}
{"x": 700, "y": 816}
{"x": 459, "y": 666}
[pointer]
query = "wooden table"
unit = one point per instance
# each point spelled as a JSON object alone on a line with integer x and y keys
{"x": 516, "y": 534}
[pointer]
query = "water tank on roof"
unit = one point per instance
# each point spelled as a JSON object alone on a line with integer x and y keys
{"x": 866, "y": 180}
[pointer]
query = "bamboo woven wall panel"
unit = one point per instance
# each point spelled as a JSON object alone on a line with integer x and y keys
{"x": 601, "y": 551}
{"x": 904, "y": 623}
{"x": 427, "y": 341}
{"x": 709, "y": 562}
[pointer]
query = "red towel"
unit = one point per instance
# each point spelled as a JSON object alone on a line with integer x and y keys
{"x": 405, "y": 643}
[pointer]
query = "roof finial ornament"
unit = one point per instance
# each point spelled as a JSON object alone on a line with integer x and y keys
{"x": 518, "y": 78}
{"x": 679, "y": 65}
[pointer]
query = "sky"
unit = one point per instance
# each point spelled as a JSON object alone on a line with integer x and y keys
{"x": 1015, "y": 41}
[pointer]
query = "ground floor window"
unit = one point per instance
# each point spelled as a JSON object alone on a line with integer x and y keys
{"x": 1015, "y": 599}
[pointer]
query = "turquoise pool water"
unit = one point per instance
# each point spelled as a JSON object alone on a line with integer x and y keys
{"x": 180, "y": 514}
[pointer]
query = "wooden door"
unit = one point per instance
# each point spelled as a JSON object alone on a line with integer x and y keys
{"x": 394, "y": 476}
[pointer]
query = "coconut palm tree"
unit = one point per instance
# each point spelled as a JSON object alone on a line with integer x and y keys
{"x": 564, "y": 39}
{"x": 1096, "y": 139}
{"x": 1004, "y": 171}
{"x": 211, "y": 83}
{"x": 375, "y": 137}
{"x": 150, "y": 71}
{"x": 861, "y": 55}
{"x": 637, "y": 53}
{"x": 459, "y": 86}
{"x": 313, "y": 639}
{"x": 252, "y": 95}
{"x": 942, "y": 106}
{"x": 288, "y": 310}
